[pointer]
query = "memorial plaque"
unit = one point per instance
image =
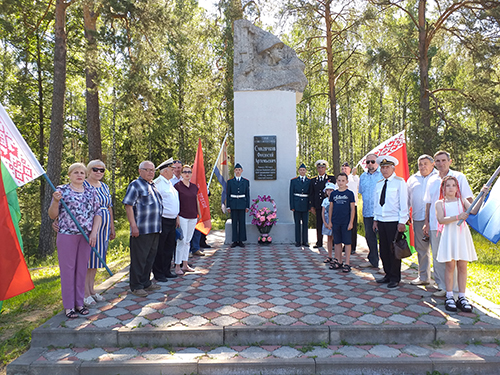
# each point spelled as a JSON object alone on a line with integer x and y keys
{"x": 264, "y": 147}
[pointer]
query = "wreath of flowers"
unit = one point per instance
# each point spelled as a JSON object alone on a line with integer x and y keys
{"x": 263, "y": 217}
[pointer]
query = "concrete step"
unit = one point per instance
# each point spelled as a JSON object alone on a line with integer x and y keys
{"x": 262, "y": 359}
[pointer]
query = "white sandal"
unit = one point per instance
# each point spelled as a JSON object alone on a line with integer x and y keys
{"x": 88, "y": 301}
{"x": 97, "y": 297}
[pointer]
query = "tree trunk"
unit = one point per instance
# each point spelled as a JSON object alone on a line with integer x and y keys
{"x": 46, "y": 239}
{"x": 424, "y": 133}
{"x": 331, "y": 92}
{"x": 41, "y": 118}
{"x": 92, "y": 91}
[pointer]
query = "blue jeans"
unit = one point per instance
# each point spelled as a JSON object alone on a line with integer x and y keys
{"x": 371, "y": 240}
{"x": 195, "y": 241}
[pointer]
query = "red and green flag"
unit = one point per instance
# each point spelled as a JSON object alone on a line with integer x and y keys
{"x": 19, "y": 166}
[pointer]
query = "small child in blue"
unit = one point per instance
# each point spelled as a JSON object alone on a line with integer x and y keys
{"x": 341, "y": 219}
{"x": 329, "y": 187}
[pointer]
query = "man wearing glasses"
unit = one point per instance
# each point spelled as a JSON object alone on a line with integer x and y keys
{"x": 367, "y": 183}
{"x": 143, "y": 205}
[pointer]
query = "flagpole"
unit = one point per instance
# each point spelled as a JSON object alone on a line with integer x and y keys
{"x": 216, "y": 161}
{"x": 490, "y": 181}
{"x": 78, "y": 225}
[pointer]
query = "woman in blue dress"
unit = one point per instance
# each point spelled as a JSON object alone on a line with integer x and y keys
{"x": 95, "y": 173}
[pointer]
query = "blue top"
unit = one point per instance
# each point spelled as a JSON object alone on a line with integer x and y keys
{"x": 147, "y": 203}
{"x": 367, "y": 184}
{"x": 341, "y": 210}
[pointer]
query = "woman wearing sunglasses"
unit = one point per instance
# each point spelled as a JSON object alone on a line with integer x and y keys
{"x": 188, "y": 217}
{"x": 95, "y": 173}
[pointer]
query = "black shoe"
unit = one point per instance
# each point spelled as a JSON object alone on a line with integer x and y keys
{"x": 383, "y": 280}
{"x": 205, "y": 246}
{"x": 297, "y": 244}
{"x": 305, "y": 244}
{"x": 241, "y": 244}
{"x": 463, "y": 304}
{"x": 353, "y": 251}
{"x": 161, "y": 279}
{"x": 234, "y": 244}
{"x": 392, "y": 284}
{"x": 170, "y": 275}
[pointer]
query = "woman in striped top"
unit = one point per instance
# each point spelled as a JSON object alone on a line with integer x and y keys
{"x": 95, "y": 173}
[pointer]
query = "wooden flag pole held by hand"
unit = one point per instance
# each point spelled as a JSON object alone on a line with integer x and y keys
{"x": 490, "y": 181}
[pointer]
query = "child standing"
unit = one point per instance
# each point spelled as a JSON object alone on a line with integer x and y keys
{"x": 456, "y": 246}
{"x": 341, "y": 219}
{"x": 325, "y": 206}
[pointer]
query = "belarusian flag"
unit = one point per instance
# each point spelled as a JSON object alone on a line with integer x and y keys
{"x": 395, "y": 146}
{"x": 19, "y": 166}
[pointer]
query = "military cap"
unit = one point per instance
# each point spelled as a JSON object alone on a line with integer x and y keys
{"x": 165, "y": 164}
{"x": 321, "y": 163}
{"x": 238, "y": 165}
{"x": 387, "y": 160}
{"x": 302, "y": 166}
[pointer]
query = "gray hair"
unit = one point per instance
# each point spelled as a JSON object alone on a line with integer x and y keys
{"x": 74, "y": 166}
{"x": 93, "y": 163}
{"x": 425, "y": 156}
{"x": 441, "y": 152}
{"x": 144, "y": 162}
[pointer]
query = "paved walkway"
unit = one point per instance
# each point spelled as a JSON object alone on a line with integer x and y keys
{"x": 273, "y": 309}
{"x": 275, "y": 285}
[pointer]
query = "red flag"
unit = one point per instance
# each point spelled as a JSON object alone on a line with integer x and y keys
{"x": 15, "y": 278}
{"x": 205, "y": 224}
{"x": 395, "y": 146}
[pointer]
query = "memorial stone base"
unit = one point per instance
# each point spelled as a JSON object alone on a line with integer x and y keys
{"x": 282, "y": 233}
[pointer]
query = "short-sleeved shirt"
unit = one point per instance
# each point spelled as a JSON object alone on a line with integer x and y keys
{"x": 147, "y": 203}
{"x": 367, "y": 183}
{"x": 83, "y": 205}
{"x": 353, "y": 185}
{"x": 170, "y": 197}
{"x": 188, "y": 196}
{"x": 417, "y": 184}
{"x": 341, "y": 210}
{"x": 432, "y": 193}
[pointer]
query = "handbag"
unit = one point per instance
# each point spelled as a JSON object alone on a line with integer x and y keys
{"x": 400, "y": 246}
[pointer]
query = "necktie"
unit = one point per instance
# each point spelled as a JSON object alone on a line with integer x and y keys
{"x": 382, "y": 196}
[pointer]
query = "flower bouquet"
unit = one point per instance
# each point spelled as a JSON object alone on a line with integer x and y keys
{"x": 264, "y": 218}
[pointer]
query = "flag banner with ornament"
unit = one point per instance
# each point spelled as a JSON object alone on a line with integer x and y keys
{"x": 395, "y": 146}
{"x": 19, "y": 166}
{"x": 221, "y": 170}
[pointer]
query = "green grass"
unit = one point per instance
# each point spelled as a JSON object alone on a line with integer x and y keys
{"x": 22, "y": 314}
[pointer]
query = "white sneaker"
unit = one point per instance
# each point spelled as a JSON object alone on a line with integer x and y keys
{"x": 439, "y": 293}
{"x": 98, "y": 297}
{"x": 89, "y": 301}
{"x": 417, "y": 281}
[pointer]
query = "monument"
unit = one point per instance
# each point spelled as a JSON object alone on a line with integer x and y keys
{"x": 268, "y": 83}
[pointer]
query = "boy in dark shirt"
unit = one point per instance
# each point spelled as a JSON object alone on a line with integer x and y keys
{"x": 341, "y": 213}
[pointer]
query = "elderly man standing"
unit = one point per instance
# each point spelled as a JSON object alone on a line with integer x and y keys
{"x": 367, "y": 183}
{"x": 353, "y": 185}
{"x": 169, "y": 221}
{"x": 417, "y": 184}
{"x": 143, "y": 205}
{"x": 316, "y": 196}
{"x": 391, "y": 215}
{"x": 442, "y": 161}
{"x": 299, "y": 204}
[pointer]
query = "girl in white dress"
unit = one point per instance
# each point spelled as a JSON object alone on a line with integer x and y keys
{"x": 456, "y": 246}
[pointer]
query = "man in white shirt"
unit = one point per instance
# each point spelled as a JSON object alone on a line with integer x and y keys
{"x": 390, "y": 217}
{"x": 169, "y": 219}
{"x": 443, "y": 162}
{"x": 177, "y": 165}
{"x": 353, "y": 185}
{"x": 417, "y": 185}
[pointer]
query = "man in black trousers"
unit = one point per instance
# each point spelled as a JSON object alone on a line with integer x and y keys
{"x": 238, "y": 203}
{"x": 316, "y": 196}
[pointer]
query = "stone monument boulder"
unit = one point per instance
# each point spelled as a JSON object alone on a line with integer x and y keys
{"x": 263, "y": 62}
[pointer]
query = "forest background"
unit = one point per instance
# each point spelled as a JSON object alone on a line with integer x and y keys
{"x": 127, "y": 81}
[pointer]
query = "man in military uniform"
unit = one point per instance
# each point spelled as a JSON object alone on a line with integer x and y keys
{"x": 316, "y": 196}
{"x": 299, "y": 204}
{"x": 238, "y": 203}
{"x": 390, "y": 216}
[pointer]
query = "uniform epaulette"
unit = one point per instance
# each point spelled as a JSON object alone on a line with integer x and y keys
{"x": 399, "y": 178}
{"x": 295, "y": 178}
{"x": 380, "y": 180}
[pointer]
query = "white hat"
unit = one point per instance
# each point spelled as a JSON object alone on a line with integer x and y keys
{"x": 329, "y": 185}
{"x": 321, "y": 162}
{"x": 387, "y": 160}
{"x": 165, "y": 164}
